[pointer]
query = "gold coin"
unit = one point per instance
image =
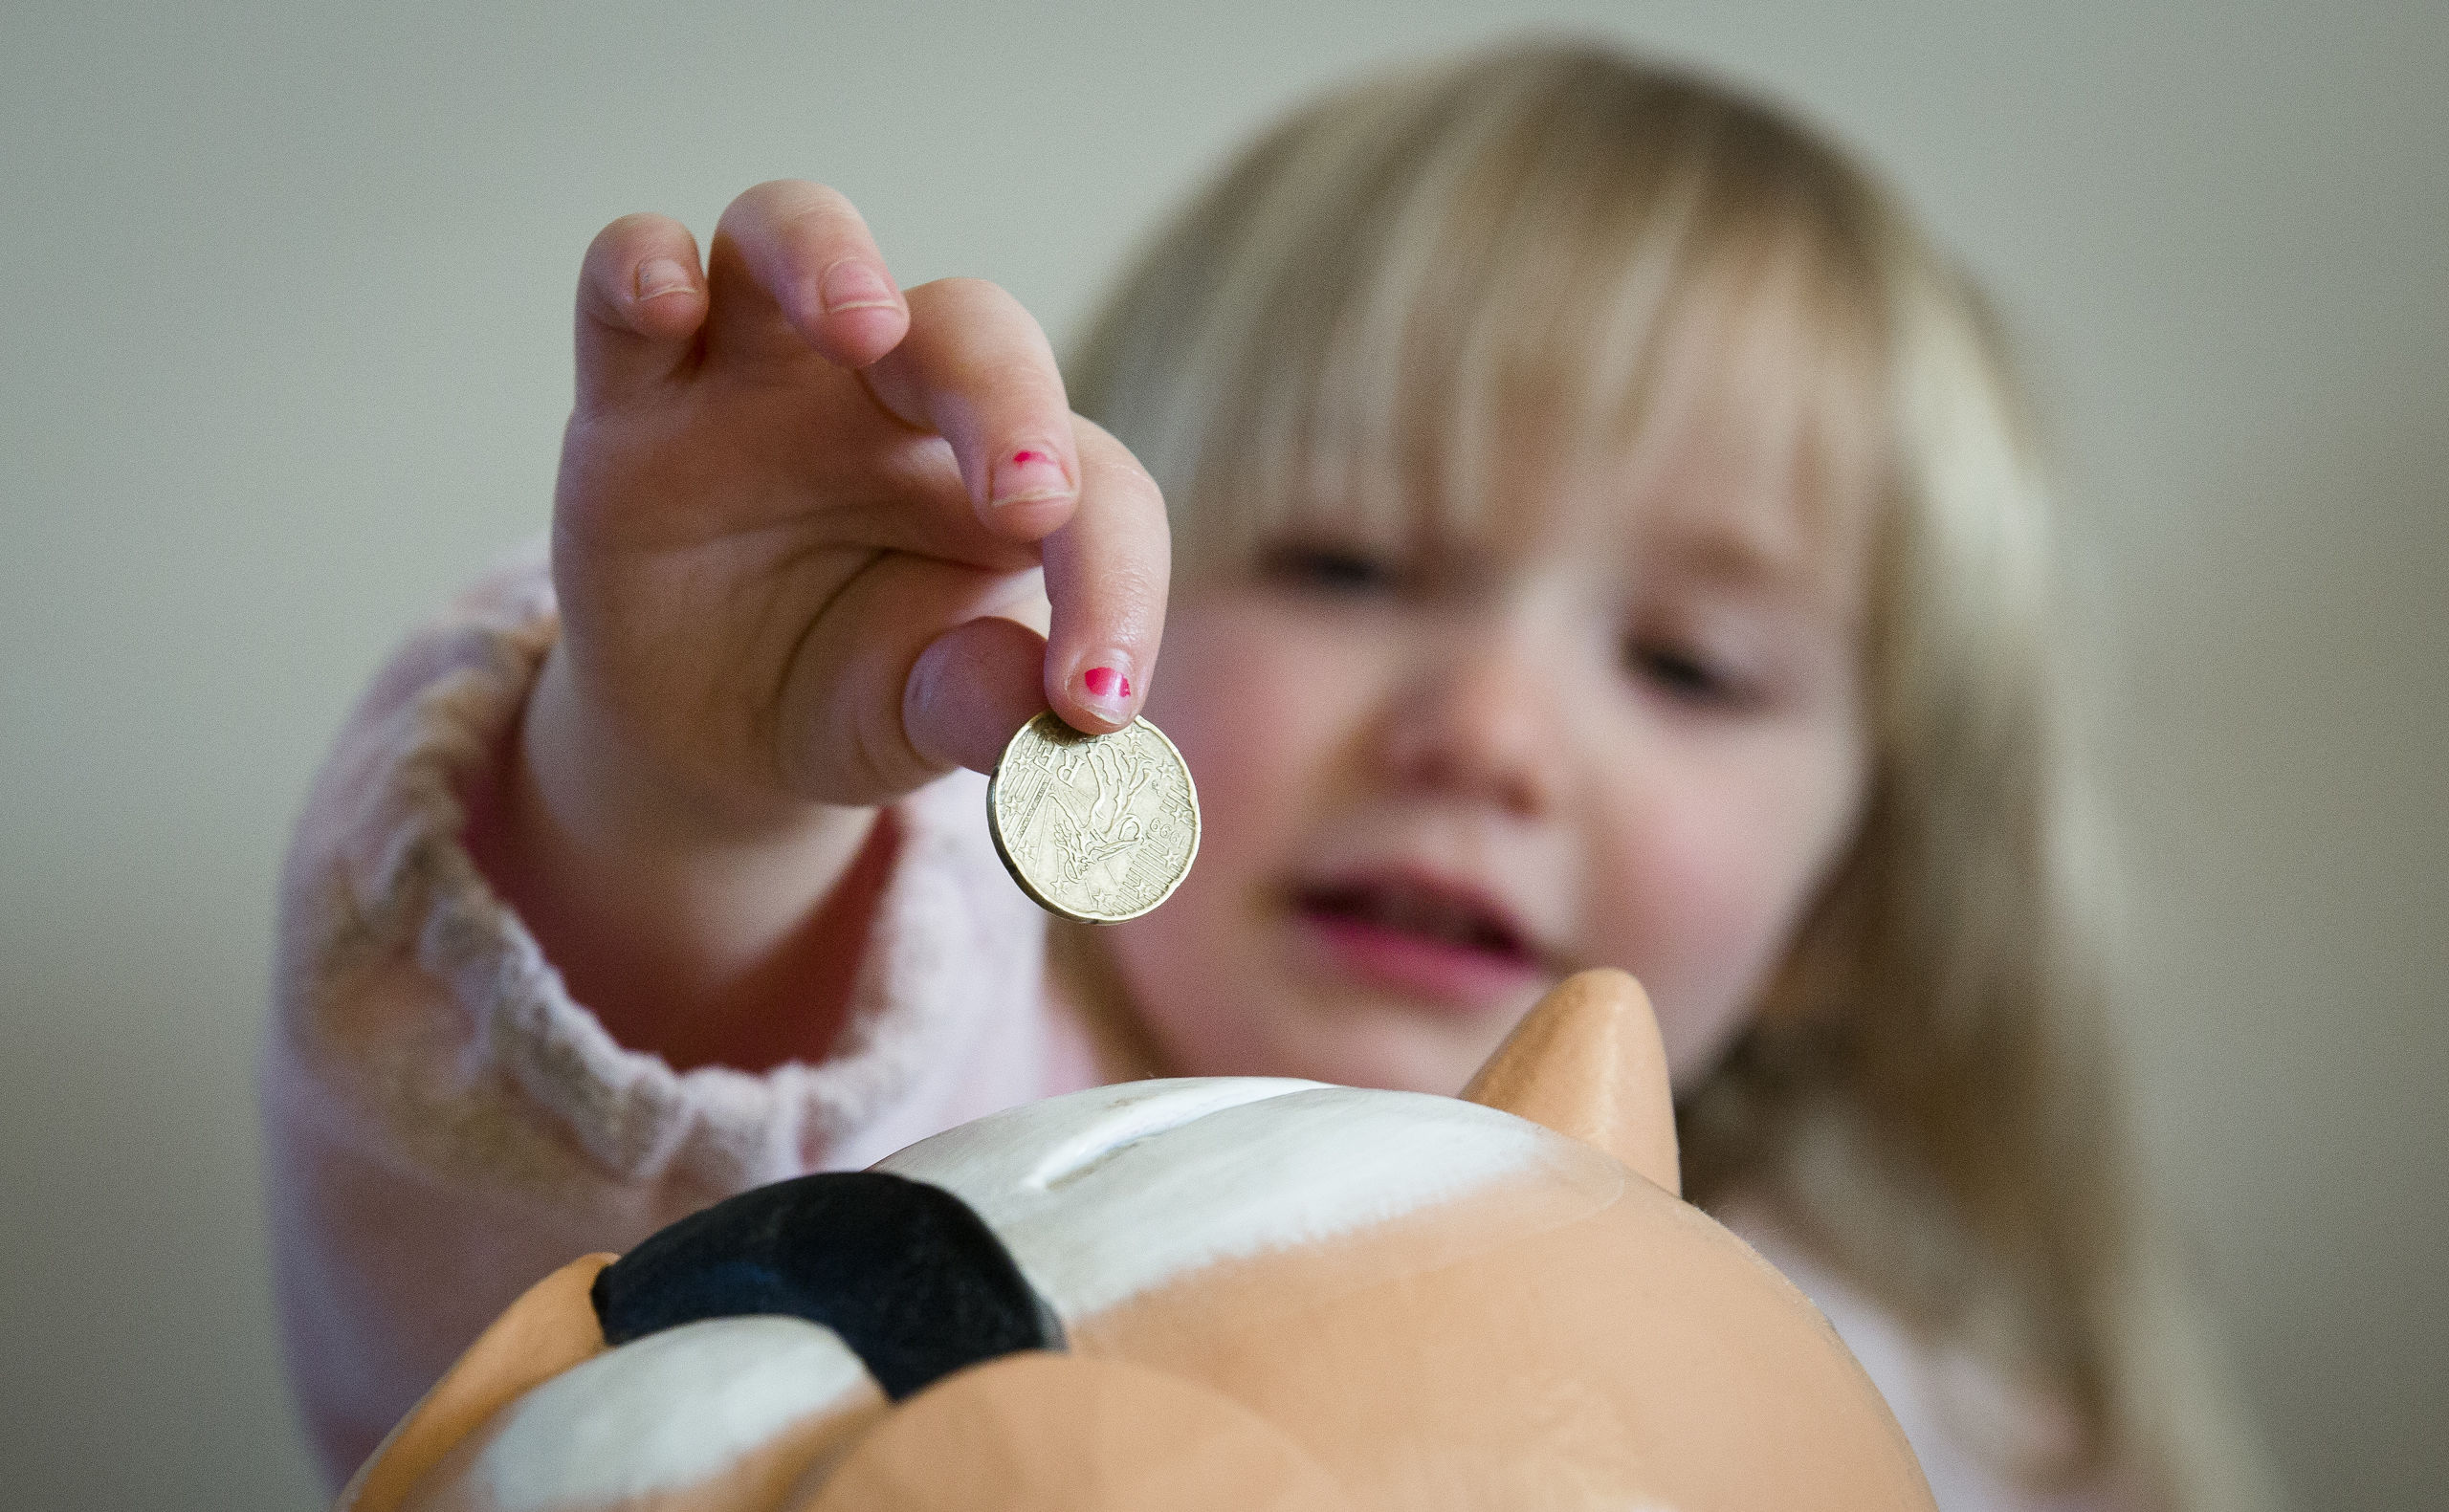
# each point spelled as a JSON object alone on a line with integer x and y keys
{"x": 1094, "y": 827}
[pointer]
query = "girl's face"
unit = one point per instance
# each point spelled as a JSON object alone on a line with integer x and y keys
{"x": 1619, "y": 725}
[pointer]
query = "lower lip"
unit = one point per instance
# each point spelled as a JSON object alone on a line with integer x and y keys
{"x": 1392, "y": 959}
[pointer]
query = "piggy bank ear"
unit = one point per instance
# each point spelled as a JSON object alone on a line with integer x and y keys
{"x": 1586, "y": 1062}
{"x": 1040, "y": 1431}
{"x": 548, "y": 1329}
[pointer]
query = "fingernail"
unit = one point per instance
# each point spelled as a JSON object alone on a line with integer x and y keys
{"x": 1026, "y": 475}
{"x": 659, "y": 276}
{"x": 852, "y": 285}
{"x": 1106, "y": 686}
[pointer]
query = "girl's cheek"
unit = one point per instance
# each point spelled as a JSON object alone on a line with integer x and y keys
{"x": 1233, "y": 695}
{"x": 1209, "y": 692}
{"x": 1700, "y": 882}
{"x": 1259, "y": 701}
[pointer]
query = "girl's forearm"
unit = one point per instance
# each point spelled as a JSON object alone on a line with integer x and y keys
{"x": 707, "y": 936}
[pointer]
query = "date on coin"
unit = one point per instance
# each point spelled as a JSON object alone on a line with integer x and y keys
{"x": 1094, "y": 827}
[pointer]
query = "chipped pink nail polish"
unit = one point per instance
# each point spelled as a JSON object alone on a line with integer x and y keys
{"x": 1104, "y": 682}
{"x": 1029, "y": 474}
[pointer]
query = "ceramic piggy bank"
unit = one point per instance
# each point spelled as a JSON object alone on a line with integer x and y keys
{"x": 1215, "y": 1293}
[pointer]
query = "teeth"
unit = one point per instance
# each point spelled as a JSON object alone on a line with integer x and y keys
{"x": 1451, "y": 924}
{"x": 1424, "y": 914}
{"x": 1386, "y": 909}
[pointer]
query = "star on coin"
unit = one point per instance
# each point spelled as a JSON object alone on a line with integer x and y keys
{"x": 1094, "y": 827}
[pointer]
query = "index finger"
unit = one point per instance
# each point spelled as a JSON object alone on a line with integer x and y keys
{"x": 1107, "y": 571}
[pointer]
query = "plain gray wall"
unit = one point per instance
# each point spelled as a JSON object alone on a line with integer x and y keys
{"x": 283, "y": 357}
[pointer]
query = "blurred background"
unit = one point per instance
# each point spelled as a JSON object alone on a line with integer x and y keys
{"x": 286, "y": 357}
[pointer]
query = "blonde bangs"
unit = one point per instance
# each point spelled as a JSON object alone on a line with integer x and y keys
{"x": 1363, "y": 324}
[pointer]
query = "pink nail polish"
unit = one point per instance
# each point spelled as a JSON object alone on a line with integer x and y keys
{"x": 1104, "y": 682}
{"x": 1026, "y": 474}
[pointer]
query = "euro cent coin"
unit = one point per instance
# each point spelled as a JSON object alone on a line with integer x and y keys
{"x": 1094, "y": 827}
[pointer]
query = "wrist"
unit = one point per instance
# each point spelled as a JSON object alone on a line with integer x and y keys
{"x": 663, "y": 911}
{"x": 606, "y": 787}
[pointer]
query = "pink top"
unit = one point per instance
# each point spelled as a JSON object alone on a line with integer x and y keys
{"x": 446, "y": 1125}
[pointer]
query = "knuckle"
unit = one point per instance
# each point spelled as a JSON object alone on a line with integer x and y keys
{"x": 1021, "y": 379}
{"x": 1130, "y": 587}
{"x": 1139, "y": 481}
{"x": 1118, "y": 468}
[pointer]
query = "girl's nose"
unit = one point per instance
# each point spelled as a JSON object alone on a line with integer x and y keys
{"x": 1479, "y": 714}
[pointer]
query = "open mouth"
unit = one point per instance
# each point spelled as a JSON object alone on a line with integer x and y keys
{"x": 1420, "y": 936}
{"x": 1432, "y": 915}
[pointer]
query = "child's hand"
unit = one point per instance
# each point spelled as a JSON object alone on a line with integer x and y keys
{"x": 795, "y": 507}
{"x": 790, "y": 496}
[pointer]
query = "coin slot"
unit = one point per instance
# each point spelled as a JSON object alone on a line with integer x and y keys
{"x": 1168, "y": 1106}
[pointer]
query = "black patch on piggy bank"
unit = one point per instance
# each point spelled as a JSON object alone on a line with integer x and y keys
{"x": 907, "y": 1274}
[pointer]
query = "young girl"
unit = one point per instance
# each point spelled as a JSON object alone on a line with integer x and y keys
{"x": 1602, "y": 533}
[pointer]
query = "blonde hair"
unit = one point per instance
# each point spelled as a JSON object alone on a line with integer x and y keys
{"x": 1350, "y": 317}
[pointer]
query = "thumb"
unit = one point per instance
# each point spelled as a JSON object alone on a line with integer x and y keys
{"x": 970, "y": 689}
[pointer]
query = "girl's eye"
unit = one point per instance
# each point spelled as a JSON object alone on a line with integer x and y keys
{"x": 1681, "y": 673}
{"x": 1330, "y": 569}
